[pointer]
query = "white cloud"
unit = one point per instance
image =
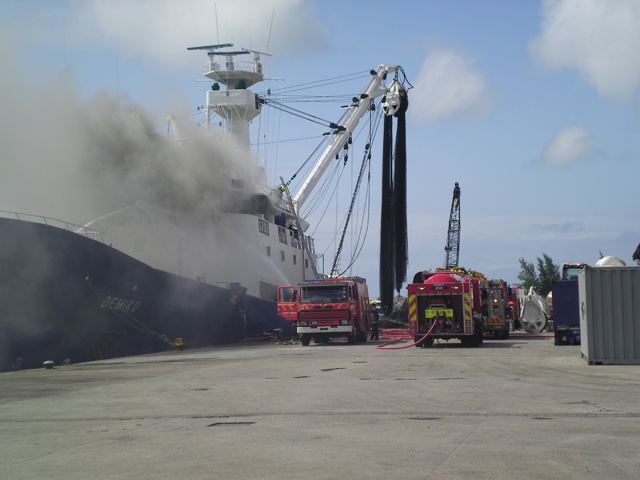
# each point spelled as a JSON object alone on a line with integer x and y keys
{"x": 570, "y": 145}
{"x": 448, "y": 86}
{"x": 158, "y": 31}
{"x": 599, "y": 38}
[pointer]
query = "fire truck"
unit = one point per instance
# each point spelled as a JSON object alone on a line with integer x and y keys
{"x": 445, "y": 305}
{"x": 288, "y": 303}
{"x": 496, "y": 314}
{"x": 329, "y": 308}
{"x": 516, "y": 300}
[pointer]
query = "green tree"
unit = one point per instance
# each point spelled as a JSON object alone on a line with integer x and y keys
{"x": 527, "y": 274}
{"x": 548, "y": 272}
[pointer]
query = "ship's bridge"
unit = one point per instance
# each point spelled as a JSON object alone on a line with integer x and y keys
{"x": 236, "y": 104}
{"x": 232, "y": 72}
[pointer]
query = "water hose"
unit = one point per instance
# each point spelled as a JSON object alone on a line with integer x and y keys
{"x": 385, "y": 346}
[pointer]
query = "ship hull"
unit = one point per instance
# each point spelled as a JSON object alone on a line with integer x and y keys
{"x": 68, "y": 298}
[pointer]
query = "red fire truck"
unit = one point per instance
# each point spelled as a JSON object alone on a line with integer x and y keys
{"x": 496, "y": 314}
{"x": 288, "y": 303}
{"x": 329, "y": 308}
{"x": 445, "y": 305}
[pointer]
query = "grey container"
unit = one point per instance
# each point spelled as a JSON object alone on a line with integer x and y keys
{"x": 610, "y": 315}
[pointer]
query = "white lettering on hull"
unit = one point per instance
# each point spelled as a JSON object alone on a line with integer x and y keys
{"x": 126, "y": 305}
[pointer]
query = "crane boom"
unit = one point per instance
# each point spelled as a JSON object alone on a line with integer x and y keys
{"x": 341, "y": 134}
{"x": 452, "y": 249}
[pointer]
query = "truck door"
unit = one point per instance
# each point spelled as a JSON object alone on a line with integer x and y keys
{"x": 288, "y": 302}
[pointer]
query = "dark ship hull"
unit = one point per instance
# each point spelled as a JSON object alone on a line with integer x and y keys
{"x": 68, "y": 298}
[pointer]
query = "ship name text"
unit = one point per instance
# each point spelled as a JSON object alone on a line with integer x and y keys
{"x": 120, "y": 304}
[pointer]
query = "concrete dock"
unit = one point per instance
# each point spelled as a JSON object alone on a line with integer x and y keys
{"x": 520, "y": 408}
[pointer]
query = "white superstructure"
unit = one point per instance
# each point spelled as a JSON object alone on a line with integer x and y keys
{"x": 253, "y": 246}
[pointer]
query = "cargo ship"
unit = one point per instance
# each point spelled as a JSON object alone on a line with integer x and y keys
{"x": 152, "y": 277}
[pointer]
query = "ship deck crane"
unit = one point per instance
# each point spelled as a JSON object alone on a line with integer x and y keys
{"x": 342, "y": 132}
{"x": 452, "y": 249}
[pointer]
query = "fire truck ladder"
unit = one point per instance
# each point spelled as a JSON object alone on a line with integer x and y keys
{"x": 452, "y": 249}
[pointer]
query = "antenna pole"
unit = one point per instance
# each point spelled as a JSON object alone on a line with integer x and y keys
{"x": 215, "y": 7}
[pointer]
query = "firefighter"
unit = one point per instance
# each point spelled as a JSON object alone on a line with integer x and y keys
{"x": 375, "y": 320}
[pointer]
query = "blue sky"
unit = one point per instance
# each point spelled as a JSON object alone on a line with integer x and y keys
{"x": 531, "y": 106}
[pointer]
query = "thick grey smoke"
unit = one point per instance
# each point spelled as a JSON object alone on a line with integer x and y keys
{"x": 76, "y": 159}
{"x": 126, "y": 156}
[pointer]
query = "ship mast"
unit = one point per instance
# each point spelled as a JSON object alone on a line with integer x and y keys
{"x": 236, "y": 104}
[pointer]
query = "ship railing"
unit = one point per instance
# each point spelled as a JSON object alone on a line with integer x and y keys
{"x": 309, "y": 243}
{"x": 233, "y": 64}
{"x": 278, "y": 198}
{"x": 294, "y": 239}
{"x": 54, "y": 222}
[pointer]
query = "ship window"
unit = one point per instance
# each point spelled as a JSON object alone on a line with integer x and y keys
{"x": 295, "y": 260}
{"x": 306, "y": 263}
{"x": 282, "y": 235}
{"x": 282, "y": 255}
{"x": 268, "y": 251}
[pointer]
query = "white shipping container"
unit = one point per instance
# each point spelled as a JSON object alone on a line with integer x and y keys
{"x": 610, "y": 315}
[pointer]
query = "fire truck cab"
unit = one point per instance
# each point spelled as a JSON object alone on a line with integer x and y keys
{"x": 331, "y": 308}
{"x": 288, "y": 303}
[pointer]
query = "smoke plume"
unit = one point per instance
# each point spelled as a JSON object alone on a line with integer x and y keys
{"x": 76, "y": 159}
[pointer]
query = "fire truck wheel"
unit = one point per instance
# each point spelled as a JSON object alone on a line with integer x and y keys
{"x": 427, "y": 342}
{"x": 351, "y": 339}
{"x": 305, "y": 339}
{"x": 472, "y": 341}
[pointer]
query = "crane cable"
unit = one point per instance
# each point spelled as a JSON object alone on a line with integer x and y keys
{"x": 366, "y": 161}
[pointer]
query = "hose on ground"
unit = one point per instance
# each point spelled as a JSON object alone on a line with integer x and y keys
{"x": 385, "y": 346}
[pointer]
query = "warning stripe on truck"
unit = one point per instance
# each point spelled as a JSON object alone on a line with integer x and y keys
{"x": 467, "y": 306}
{"x": 413, "y": 308}
{"x": 468, "y": 327}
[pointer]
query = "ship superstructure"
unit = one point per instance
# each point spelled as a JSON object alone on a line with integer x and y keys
{"x": 249, "y": 244}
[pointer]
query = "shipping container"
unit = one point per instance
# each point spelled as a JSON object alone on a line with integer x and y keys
{"x": 566, "y": 312}
{"x": 610, "y": 315}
